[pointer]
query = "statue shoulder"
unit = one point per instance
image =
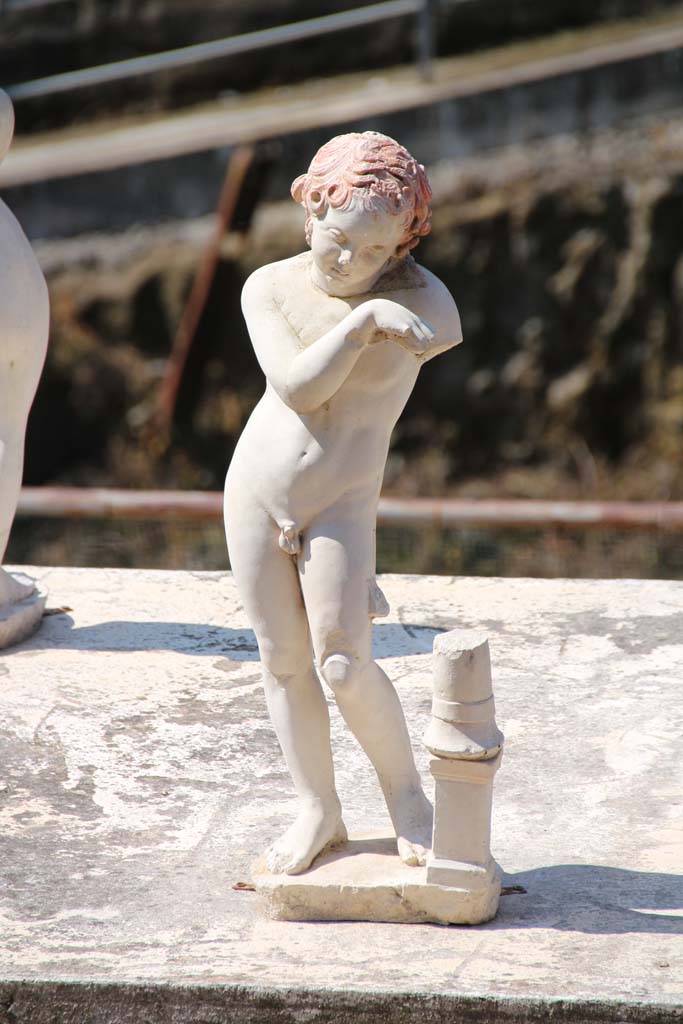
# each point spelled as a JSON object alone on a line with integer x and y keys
{"x": 414, "y": 284}
{"x": 434, "y": 287}
{"x": 432, "y": 301}
{"x": 273, "y": 282}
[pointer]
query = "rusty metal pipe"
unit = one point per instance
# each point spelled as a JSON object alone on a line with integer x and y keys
{"x": 110, "y": 503}
{"x": 236, "y": 172}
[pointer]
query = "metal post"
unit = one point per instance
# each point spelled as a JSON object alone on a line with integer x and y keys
{"x": 238, "y": 167}
{"x": 425, "y": 39}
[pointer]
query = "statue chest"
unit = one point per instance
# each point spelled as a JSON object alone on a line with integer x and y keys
{"x": 311, "y": 314}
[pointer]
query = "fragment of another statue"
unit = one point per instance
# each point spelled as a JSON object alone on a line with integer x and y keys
{"x": 466, "y": 747}
{"x": 340, "y": 333}
{"x": 24, "y": 326}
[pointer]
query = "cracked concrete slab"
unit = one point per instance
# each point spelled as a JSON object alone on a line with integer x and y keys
{"x": 140, "y": 777}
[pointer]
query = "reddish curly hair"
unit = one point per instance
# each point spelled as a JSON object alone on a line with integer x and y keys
{"x": 371, "y": 169}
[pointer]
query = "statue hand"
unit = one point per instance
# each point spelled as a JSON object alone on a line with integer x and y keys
{"x": 389, "y": 321}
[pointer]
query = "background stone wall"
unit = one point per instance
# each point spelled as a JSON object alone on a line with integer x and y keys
{"x": 566, "y": 261}
{"x": 82, "y": 33}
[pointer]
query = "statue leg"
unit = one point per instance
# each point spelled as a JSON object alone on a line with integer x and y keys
{"x": 337, "y": 572}
{"x": 11, "y": 466}
{"x": 268, "y": 586}
{"x": 23, "y": 344}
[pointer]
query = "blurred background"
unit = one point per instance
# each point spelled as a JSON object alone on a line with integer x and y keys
{"x": 155, "y": 144}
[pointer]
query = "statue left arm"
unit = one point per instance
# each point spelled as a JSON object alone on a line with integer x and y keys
{"x": 437, "y": 306}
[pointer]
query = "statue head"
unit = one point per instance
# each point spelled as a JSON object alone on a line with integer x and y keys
{"x": 6, "y": 124}
{"x": 367, "y": 204}
{"x": 370, "y": 178}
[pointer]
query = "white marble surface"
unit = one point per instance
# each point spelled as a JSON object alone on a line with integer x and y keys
{"x": 140, "y": 776}
{"x": 340, "y": 334}
{"x": 18, "y": 619}
{"x": 24, "y": 328}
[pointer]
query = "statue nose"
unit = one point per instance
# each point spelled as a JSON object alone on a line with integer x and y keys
{"x": 344, "y": 257}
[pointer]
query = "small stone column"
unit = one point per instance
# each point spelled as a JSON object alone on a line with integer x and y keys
{"x": 466, "y": 745}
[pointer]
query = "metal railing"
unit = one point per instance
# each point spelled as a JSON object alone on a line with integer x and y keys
{"x": 19, "y": 6}
{"x": 234, "y": 45}
{"x": 104, "y": 503}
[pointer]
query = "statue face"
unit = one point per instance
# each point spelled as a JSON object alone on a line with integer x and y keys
{"x": 352, "y": 247}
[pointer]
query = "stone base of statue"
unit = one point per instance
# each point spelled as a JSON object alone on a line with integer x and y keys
{"x": 364, "y": 880}
{"x": 21, "y": 614}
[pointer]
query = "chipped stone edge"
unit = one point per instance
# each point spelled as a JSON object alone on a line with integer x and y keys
{"x": 341, "y": 893}
{"x": 392, "y": 904}
{"x": 62, "y": 1002}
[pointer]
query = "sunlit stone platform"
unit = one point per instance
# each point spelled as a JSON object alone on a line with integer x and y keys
{"x": 139, "y": 778}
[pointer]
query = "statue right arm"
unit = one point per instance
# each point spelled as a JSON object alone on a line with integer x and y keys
{"x": 306, "y": 379}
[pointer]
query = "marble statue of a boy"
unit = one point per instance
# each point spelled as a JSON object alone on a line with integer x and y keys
{"x": 24, "y": 325}
{"x": 340, "y": 333}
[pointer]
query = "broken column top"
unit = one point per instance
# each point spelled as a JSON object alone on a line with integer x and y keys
{"x": 462, "y": 665}
{"x": 463, "y": 724}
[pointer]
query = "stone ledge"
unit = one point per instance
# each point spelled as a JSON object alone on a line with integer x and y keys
{"x": 44, "y": 1002}
{"x": 140, "y": 778}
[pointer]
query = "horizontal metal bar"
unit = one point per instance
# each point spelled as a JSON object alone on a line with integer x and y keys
{"x": 229, "y": 47}
{"x": 522, "y": 514}
{"x": 106, "y": 503}
{"x": 178, "y": 134}
{"x": 18, "y": 6}
{"x": 110, "y": 503}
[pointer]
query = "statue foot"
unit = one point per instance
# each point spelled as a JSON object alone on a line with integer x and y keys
{"x": 22, "y": 603}
{"x": 413, "y": 818}
{"x": 14, "y": 587}
{"x": 316, "y": 827}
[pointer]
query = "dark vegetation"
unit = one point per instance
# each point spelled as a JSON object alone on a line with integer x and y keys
{"x": 570, "y": 382}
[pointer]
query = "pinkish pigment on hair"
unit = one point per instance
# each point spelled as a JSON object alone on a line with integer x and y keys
{"x": 373, "y": 170}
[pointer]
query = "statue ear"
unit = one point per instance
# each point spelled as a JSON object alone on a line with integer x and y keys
{"x": 6, "y": 124}
{"x": 298, "y": 188}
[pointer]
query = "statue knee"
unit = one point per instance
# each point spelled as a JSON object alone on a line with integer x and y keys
{"x": 338, "y": 671}
{"x": 279, "y": 664}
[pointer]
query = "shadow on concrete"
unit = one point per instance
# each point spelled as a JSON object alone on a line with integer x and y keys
{"x": 120, "y": 635}
{"x": 392, "y": 639}
{"x": 197, "y": 639}
{"x": 593, "y": 899}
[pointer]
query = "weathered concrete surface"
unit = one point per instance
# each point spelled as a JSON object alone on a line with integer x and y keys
{"x": 140, "y": 777}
